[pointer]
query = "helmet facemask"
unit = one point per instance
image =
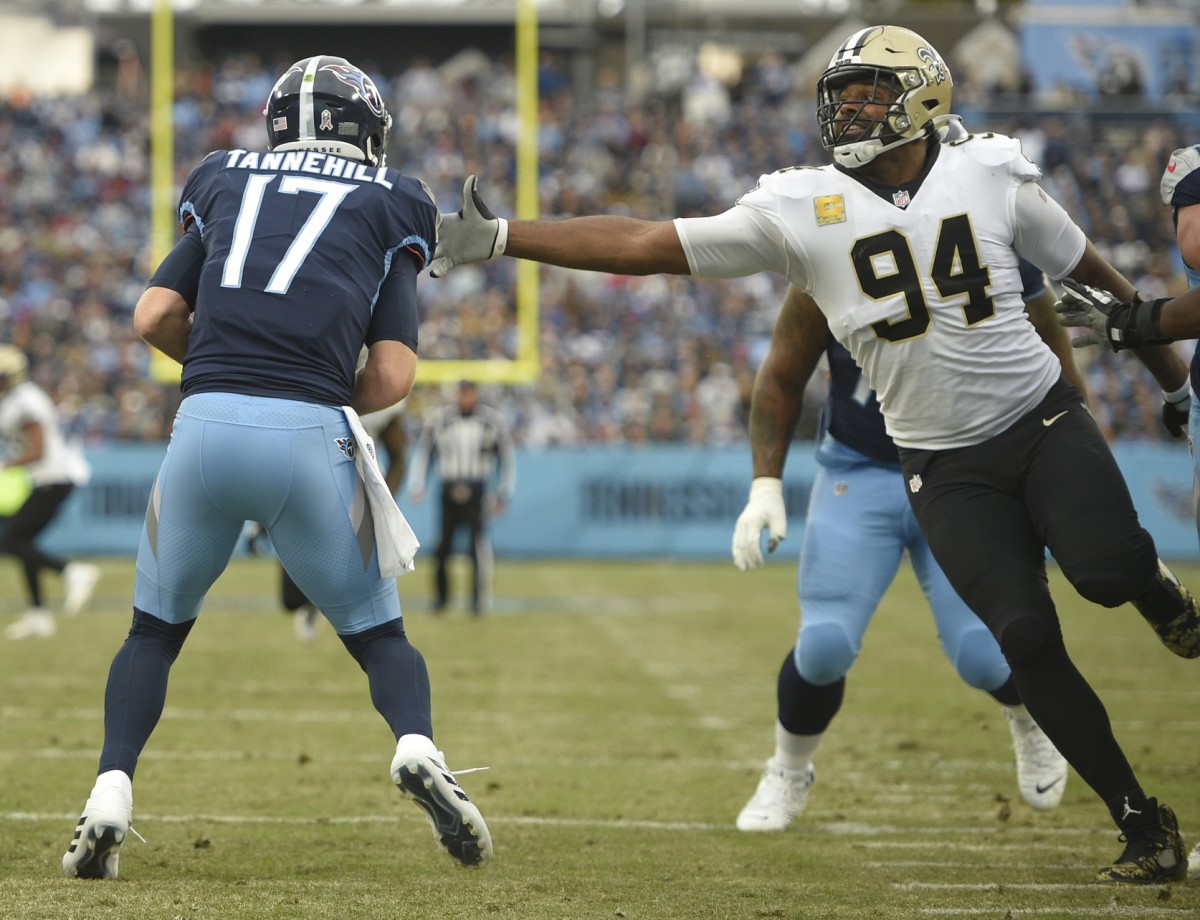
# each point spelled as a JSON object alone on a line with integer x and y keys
{"x": 909, "y": 84}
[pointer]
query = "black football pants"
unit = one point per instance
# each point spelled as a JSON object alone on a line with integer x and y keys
{"x": 989, "y": 512}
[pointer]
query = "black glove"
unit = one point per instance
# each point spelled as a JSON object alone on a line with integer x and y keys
{"x": 1110, "y": 322}
{"x": 1175, "y": 413}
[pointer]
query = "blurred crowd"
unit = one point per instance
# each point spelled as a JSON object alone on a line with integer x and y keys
{"x": 623, "y": 359}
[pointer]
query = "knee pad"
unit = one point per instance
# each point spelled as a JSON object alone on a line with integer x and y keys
{"x": 979, "y": 661}
{"x": 1029, "y": 639}
{"x": 824, "y": 653}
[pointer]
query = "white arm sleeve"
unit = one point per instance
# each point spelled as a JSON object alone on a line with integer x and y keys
{"x": 741, "y": 241}
{"x": 1044, "y": 232}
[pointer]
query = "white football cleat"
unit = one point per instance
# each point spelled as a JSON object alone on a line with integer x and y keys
{"x": 79, "y": 581}
{"x": 1194, "y": 859}
{"x": 37, "y": 623}
{"x": 419, "y": 771}
{"x": 102, "y": 828}
{"x": 1041, "y": 770}
{"x": 781, "y": 795}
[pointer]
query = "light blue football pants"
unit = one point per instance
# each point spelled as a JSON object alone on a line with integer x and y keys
{"x": 1194, "y": 433}
{"x": 286, "y": 464}
{"x": 859, "y": 524}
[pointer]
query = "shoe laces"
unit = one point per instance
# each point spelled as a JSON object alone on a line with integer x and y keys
{"x": 784, "y": 784}
{"x": 1035, "y": 751}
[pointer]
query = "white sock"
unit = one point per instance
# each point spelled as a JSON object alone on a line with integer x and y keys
{"x": 795, "y": 751}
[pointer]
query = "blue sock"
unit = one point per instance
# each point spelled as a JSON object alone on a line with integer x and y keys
{"x": 397, "y": 675}
{"x": 137, "y": 688}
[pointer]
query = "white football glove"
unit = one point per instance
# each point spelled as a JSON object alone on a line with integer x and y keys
{"x": 763, "y": 509}
{"x": 474, "y": 234}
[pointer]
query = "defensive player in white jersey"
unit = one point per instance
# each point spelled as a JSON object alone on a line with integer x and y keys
{"x": 858, "y": 527}
{"x": 910, "y": 247}
{"x": 29, "y": 422}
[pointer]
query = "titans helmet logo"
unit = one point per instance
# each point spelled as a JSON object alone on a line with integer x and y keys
{"x": 363, "y": 84}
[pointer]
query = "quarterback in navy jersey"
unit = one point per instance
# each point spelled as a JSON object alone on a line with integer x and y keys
{"x": 910, "y": 247}
{"x": 858, "y": 527}
{"x": 291, "y": 262}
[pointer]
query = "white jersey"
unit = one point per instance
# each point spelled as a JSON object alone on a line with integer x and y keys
{"x": 925, "y": 294}
{"x": 60, "y": 462}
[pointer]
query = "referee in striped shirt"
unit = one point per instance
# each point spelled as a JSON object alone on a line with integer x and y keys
{"x": 472, "y": 446}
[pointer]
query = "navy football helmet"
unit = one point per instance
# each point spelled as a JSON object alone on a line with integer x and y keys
{"x": 327, "y": 104}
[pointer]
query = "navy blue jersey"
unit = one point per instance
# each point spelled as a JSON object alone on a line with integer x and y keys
{"x": 1181, "y": 189}
{"x": 852, "y": 414}
{"x": 307, "y": 257}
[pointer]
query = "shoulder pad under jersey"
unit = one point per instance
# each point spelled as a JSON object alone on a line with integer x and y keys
{"x": 1183, "y": 162}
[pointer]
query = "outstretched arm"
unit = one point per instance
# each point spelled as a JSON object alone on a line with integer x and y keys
{"x": 620, "y": 245}
{"x": 1177, "y": 323}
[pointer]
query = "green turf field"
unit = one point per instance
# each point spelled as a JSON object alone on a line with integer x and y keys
{"x": 624, "y": 711}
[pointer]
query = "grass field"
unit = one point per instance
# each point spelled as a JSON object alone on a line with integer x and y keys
{"x": 624, "y": 711}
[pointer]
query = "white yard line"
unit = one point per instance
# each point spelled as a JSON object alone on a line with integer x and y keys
{"x": 1116, "y": 910}
{"x": 834, "y": 828}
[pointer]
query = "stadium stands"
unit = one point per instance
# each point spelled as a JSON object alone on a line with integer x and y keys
{"x": 624, "y": 359}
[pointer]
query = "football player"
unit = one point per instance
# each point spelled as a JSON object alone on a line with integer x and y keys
{"x": 56, "y": 467}
{"x": 858, "y": 526}
{"x": 910, "y": 247}
{"x": 291, "y": 261}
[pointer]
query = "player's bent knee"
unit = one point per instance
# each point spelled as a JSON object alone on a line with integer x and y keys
{"x": 1029, "y": 639}
{"x": 824, "y": 653}
{"x": 1112, "y": 579}
{"x": 979, "y": 661}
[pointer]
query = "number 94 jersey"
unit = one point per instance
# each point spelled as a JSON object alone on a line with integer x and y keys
{"x": 921, "y": 285}
{"x": 302, "y": 255}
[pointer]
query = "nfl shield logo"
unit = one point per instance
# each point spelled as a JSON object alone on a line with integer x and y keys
{"x": 900, "y": 199}
{"x": 915, "y": 483}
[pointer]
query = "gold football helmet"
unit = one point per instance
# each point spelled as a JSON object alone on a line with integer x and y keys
{"x": 13, "y": 367}
{"x": 905, "y": 74}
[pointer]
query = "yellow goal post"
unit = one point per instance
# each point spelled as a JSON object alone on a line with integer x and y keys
{"x": 526, "y": 366}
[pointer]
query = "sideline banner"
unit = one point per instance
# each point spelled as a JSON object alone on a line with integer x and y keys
{"x": 605, "y": 502}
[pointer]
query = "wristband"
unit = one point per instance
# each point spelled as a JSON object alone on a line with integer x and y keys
{"x": 501, "y": 237}
{"x": 765, "y": 486}
{"x": 1175, "y": 397}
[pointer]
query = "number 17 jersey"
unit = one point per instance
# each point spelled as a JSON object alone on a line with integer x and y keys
{"x": 301, "y": 250}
